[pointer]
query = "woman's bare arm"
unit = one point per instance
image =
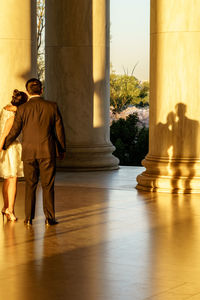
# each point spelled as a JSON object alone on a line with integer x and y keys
{"x": 6, "y": 130}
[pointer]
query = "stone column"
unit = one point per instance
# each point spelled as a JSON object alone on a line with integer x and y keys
{"x": 173, "y": 161}
{"x": 17, "y": 46}
{"x": 77, "y": 78}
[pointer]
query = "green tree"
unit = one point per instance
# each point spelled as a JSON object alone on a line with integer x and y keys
{"x": 144, "y": 94}
{"x": 127, "y": 90}
{"x": 144, "y": 89}
{"x": 124, "y": 90}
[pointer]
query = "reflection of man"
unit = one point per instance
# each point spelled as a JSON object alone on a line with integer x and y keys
{"x": 42, "y": 128}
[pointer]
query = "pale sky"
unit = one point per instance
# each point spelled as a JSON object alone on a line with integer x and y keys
{"x": 130, "y": 23}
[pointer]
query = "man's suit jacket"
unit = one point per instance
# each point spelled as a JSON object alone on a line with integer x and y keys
{"x": 42, "y": 129}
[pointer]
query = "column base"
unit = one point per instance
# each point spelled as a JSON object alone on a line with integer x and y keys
{"x": 170, "y": 175}
{"x": 80, "y": 158}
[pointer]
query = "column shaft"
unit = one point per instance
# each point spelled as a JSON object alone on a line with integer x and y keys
{"x": 77, "y": 78}
{"x": 17, "y": 46}
{"x": 173, "y": 161}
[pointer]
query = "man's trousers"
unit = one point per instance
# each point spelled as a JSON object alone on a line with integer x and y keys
{"x": 45, "y": 168}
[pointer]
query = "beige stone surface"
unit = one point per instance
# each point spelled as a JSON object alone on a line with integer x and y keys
{"x": 112, "y": 243}
{"x": 171, "y": 16}
{"x": 173, "y": 161}
{"x": 77, "y": 78}
{"x": 17, "y": 46}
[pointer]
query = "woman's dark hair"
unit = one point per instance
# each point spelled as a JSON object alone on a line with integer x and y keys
{"x": 34, "y": 86}
{"x": 18, "y": 98}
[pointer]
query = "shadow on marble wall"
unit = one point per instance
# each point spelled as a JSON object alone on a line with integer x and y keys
{"x": 31, "y": 71}
{"x": 178, "y": 139}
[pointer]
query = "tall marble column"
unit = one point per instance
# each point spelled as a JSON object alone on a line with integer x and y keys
{"x": 17, "y": 46}
{"x": 173, "y": 161}
{"x": 77, "y": 78}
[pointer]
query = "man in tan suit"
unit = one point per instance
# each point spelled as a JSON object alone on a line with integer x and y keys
{"x": 42, "y": 136}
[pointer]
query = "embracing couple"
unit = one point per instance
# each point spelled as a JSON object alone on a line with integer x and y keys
{"x": 43, "y": 139}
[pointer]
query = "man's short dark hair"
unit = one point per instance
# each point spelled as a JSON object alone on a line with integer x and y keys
{"x": 34, "y": 86}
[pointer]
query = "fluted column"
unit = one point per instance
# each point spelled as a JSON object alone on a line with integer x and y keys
{"x": 173, "y": 161}
{"x": 17, "y": 46}
{"x": 77, "y": 78}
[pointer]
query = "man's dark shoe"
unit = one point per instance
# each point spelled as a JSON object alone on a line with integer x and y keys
{"x": 28, "y": 222}
{"x": 50, "y": 222}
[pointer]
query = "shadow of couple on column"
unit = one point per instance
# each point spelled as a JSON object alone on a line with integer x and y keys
{"x": 178, "y": 138}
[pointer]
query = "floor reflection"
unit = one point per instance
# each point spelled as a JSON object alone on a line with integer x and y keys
{"x": 175, "y": 245}
{"x": 111, "y": 243}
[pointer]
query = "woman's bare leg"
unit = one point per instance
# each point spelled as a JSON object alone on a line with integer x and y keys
{"x": 5, "y": 193}
{"x": 11, "y": 192}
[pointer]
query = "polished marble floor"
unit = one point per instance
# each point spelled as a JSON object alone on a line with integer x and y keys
{"x": 112, "y": 243}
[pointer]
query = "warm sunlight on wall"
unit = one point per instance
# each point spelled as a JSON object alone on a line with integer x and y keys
{"x": 99, "y": 63}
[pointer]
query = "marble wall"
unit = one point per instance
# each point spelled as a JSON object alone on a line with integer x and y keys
{"x": 173, "y": 162}
{"x": 17, "y": 46}
{"x": 77, "y": 78}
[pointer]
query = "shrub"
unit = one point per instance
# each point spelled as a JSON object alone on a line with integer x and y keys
{"x": 130, "y": 140}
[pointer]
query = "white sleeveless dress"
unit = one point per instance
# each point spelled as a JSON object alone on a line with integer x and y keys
{"x": 11, "y": 164}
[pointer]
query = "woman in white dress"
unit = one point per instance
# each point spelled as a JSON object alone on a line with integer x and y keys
{"x": 11, "y": 165}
